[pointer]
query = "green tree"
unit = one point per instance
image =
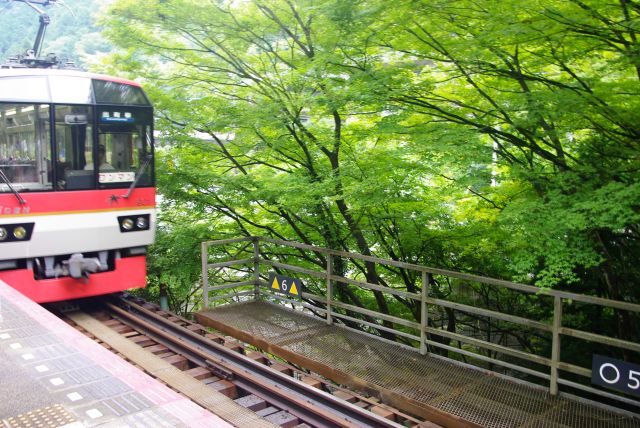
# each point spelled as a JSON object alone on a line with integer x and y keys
{"x": 72, "y": 34}
{"x": 553, "y": 86}
{"x": 282, "y": 125}
{"x": 495, "y": 138}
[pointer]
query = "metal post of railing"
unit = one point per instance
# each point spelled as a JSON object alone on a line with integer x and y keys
{"x": 256, "y": 267}
{"x": 329, "y": 288}
{"x": 555, "y": 345}
{"x": 205, "y": 274}
{"x": 424, "y": 314}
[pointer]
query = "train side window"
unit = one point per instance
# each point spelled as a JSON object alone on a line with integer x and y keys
{"x": 74, "y": 146}
{"x": 25, "y": 152}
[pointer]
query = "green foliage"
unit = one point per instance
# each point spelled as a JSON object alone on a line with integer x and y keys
{"x": 72, "y": 33}
{"x": 496, "y": 137}
{"x": 177, "y": 247}
{"x": 562, "y": 123}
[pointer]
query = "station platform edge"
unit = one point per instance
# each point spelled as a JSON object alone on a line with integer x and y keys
{"x": 51, "y": 375}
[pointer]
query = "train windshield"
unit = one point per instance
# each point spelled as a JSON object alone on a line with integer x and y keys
{"x": 124, "y": 146}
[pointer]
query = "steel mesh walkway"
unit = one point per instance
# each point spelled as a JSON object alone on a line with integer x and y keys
{"x": 479, "y": 398}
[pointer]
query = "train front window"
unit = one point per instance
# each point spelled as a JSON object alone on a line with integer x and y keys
{"x": 107, "y": 92}
{"x": 25, "y": 150}
{"x": 74, "y": 144}
{"x": 124, "y": 144}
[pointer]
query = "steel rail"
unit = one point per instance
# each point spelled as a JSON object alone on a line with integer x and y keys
{"x": 303, "y": 401}
{"x": 583, "y": 298}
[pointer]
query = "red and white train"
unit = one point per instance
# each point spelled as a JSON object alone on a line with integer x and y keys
{"x": 77, "y": 195}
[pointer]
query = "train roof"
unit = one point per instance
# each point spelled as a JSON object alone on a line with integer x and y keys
{"x": 68, "y": 87}
{"x": 13, "y": 72}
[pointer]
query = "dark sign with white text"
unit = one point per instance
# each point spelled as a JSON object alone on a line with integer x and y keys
{"x": 285, "y": 284}
{"x": 616, "y": 374}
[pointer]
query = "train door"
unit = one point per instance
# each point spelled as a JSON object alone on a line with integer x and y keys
{"x": 74, "y": 144}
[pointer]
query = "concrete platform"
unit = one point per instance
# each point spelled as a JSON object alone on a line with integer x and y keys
{"x": 424, "y": 385}
{"x": 51, "y": 375}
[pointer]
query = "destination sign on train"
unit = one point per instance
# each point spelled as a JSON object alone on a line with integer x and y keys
{"x": 117, "y": 117}
{"x": 285, "y": 284}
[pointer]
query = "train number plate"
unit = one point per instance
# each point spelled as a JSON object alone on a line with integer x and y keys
{"x": 117, "y": 177}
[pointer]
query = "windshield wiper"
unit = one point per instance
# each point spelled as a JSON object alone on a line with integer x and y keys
{"x": 8, "y": 183}
{"x": 144, "y": 165}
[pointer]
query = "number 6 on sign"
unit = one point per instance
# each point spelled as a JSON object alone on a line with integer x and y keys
{"x": 285, "y": 284}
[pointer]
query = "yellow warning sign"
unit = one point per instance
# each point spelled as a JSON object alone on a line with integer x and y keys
{"x": 285, "y": 284}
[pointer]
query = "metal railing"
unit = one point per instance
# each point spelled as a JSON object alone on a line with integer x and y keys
{"x": 247, "y": 262}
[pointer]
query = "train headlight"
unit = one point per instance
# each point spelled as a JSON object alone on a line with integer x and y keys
{"x": 127, "y": 224}
{"x": 134, "y": 222}
{"x": 16, "y": 232}
{"x": 142, "y": 223}
{"x": 19, "y": 232}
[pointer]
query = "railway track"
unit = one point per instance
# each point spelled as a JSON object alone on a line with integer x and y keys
{"x": 251, "y": 388}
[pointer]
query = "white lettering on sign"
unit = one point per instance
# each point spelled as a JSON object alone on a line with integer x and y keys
{"x": 616, "y": 374}
{"x": 635, "y": 377}
{"x": 615, "y": 369}
{"x": 14, "y": 210}
{"x": 117, "y": 177}
{"x": 285, "y": 284}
